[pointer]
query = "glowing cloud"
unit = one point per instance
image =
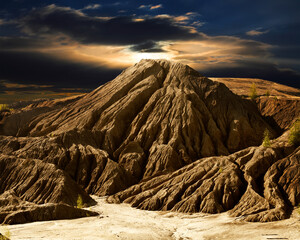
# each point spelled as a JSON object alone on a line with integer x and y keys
{"x": 92, "y": 6}
{"x": 143, "y": 6}
{"x": 181, "y": 18}
{"x": 256, "y": 32}
{"x": 150, "y": 6}
{"x": 156, "y": 6}
{"x": 136, "y": 57}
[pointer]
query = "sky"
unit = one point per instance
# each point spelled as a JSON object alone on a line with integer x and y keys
{"x": 61, "y": 48}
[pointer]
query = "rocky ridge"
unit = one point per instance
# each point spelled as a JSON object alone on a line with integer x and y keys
{"x": 154, "y": 125}
{"x": 257, "y": 184}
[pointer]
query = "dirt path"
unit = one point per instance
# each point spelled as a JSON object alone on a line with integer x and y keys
{"x": 123, "y": 222}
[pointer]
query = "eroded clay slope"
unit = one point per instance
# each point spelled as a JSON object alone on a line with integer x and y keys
{"x": 257, "y": 184}
{"x": 280, "y": 104}
{"x": 157, "y": 109}
{"x": 32, "y": 190}
{"x": 16, "y": 211}
{"x": 283, "y": 112}
{"x": 157, "y": 123}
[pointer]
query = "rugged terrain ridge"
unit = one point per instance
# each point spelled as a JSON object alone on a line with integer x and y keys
{"x": 159, "y": 136}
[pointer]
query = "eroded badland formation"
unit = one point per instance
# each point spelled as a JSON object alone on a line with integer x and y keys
{"x": 160, "y": 137}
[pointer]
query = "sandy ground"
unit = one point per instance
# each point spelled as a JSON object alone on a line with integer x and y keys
{"x": 120, "y": 221}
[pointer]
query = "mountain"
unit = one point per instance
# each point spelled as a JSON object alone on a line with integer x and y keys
{"x": 159, "y": 136}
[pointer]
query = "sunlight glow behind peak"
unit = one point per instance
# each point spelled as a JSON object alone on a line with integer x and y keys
{"x": 139, "y": 56}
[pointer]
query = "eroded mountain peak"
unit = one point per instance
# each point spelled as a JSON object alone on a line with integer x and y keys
{"x": 158, "y": 122}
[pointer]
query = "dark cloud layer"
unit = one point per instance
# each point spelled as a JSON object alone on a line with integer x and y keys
{"x": 18, "y": 43}
{"x": 41, "y": 69}
{"x": 34, "y": 35}
{"x": 120, "y": 30}
{"x": 148, "y": 46}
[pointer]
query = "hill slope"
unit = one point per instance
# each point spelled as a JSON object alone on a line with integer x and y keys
{"x": 155, "y": 120}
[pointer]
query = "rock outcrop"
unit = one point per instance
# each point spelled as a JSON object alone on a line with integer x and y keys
{"x": 257, "y": 184}
{"x": 157, "y": 106}
{"x": 36, "y": 181}
{"x": 161, "y": 125}
{"x": 32, "y": 190}
{"x": 16, "y": 211}
{"x": 282, "y": 112}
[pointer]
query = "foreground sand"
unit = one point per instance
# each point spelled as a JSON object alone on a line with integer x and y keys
{"x": 123, "y": 222}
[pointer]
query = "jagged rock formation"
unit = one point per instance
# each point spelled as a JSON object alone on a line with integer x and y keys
{"x": 279, "y": 191}
{"x": 32, "y": 190}
{"x": 282, "y": 111}
{"x": 39, "y": 182}
{"x": 253, "y": 183}
{"x": 168, "y": 102}
{"x": 15, "y": 211}
{"x": 158, "y": 122}
{"x": 90, "y": 167}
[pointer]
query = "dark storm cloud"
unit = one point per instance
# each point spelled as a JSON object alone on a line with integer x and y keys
{"x": 17, "y": 43}
{"x": 252, "y": 69}
{"x": 291, "y": 52}
{"x": 119, "y": 30}
{"x": 41, "y": 69}
{"x": 149, "y": 46}
{"x": 230, "y": 51}
{"x": 286, "y": 38}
